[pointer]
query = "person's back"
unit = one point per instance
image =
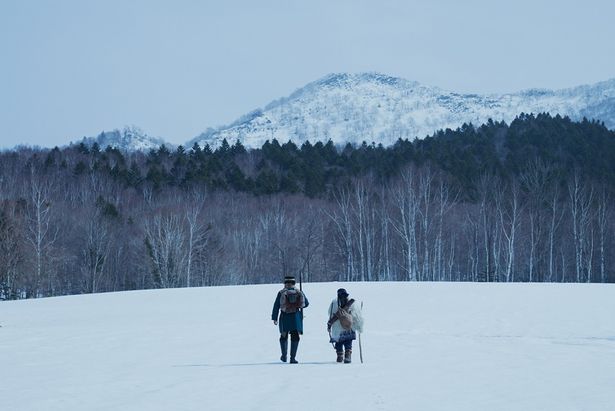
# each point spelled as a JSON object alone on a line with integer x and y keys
{"x": 287, "y": 313}
{"x": 345, "y": 320}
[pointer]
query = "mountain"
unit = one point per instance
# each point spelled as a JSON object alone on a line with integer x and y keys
{"x": 378, "y": 108}
{"x": 129, "y": 139}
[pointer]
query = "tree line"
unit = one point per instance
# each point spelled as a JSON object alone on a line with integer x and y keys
{"x": 526, "y": 201}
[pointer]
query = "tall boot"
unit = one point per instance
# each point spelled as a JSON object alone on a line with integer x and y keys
{"x": 283, "y": 348}
{"x": 340, "y": 356}
{"x": 294, "y": 344}
{"x": 348, "y": 357}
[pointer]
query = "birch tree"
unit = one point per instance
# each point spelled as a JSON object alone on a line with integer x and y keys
{"x": 580, "y": 201}
{"x": 40, "y": 234}
{"x": 95, "y": 253}
{"x": 165, "y": 241}
{"x": 197, "y": 231}
{"x": 508, "y": 210}
{"x": 406, "y": 201}
{"x": 603, "y": 217}
{"x": 556, "y": 211}
{"x": 341, "y": 218}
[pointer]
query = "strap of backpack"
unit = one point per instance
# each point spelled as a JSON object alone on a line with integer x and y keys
{"x": 334, "y": 317}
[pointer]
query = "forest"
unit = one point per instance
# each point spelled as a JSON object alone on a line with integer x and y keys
{"x": 528, "y": 201}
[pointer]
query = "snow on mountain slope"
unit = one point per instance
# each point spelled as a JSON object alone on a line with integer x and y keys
{"x": 427, "y": 346}
{"x": 377, "y": 108}
{"x": 129, "y": 139}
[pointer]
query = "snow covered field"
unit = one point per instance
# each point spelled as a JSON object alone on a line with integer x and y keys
{"x": 427, "y": 346}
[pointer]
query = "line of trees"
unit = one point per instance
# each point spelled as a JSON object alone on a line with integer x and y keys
{"x": 529, "y": 201}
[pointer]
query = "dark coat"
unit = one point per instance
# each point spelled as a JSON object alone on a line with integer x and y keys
{"x": 288, "y": 321}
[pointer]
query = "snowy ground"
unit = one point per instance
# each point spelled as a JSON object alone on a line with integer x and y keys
{"x": 442, "y": 346}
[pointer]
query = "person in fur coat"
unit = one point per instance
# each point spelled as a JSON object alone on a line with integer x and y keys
{"x": 345, "y": 320}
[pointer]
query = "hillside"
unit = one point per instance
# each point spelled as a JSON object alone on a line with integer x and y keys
{"x": 129, "y": 139}
{"x": 427, "y": 346}
{"x": 378, "y": 108}
{"x": 374, "y": 107}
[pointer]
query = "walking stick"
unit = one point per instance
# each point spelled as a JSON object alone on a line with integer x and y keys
{"x": 301, "y": 290}
{"x": 360, "y": 346}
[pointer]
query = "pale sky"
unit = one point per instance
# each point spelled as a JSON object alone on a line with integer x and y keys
{"x": 72, "y": 68}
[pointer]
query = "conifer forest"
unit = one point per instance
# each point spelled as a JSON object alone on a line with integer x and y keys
{"x": 529, "y": 201}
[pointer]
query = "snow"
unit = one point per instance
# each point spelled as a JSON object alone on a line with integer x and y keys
{"x": 130, "y": 139}
{"x": 427, "y": 346}
{"x": 377, "y": 108}
{"x": 374, "y": 107}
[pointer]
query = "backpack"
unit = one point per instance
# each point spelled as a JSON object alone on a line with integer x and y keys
{"x": 344, "y": 316}
{"x": 291, "y": 300}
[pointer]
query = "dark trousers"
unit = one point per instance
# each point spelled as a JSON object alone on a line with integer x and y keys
{"x": 340, "y": 346}
{"x": 294, "y": 336}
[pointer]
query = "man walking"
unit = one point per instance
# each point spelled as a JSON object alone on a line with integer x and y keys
{"x": 289, "y": 304}
{"x": 345, "y": 319}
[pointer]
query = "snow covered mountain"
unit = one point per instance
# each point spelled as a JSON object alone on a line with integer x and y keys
{"x": 443, "y": 346}
{"x": 129, "y": 139}
{"x": 379, "y": 108}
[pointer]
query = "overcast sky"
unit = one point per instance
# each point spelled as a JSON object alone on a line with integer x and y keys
{"x": 74, "y": 68}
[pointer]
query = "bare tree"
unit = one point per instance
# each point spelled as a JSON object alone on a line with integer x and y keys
{"x": 536, "y": 180}
{"x": 365, "y": 213}
{"x": 40, "y": 234}
{"x": 444, "y": 203}
{"x": 487, "y": 186}
{"x": 406, "y": 200}
{"x": 556, "y": 215}
{"x": 166, "y": 245}
{"x": 197, "y": 230}
{"x": 604, "y": 216}
{"x": 10, "y": 253}
{"x": 508, "y": 211}
{"x": 385, "y": 220}
{"x": 341, "y": 217}
{"x": 581, "y": 197}
{"x": 312, "y": 241}
{"x": 426, "y": 179}
{"x": 95, "y": 253}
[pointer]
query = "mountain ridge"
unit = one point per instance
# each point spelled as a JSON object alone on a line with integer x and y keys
{"x": 375, "y": 107}
{"x": 130, "y": 138}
